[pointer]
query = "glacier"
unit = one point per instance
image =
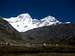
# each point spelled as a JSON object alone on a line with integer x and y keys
{"x": 24, "y": 22}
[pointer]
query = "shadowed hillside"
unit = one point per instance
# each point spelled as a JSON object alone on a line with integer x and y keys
{"x": 60, "y": 37}
{"x": 62, "y": 33}
{"x": 7, "y": 32}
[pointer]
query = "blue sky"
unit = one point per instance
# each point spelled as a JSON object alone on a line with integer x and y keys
{"x": 63, "y": 10}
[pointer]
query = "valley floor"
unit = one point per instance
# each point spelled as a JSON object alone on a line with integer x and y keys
{"x": 37, "y": 54}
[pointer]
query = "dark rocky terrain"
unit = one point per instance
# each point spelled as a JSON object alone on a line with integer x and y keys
{"x": 60, "y": 37}
{"x": 39, "y": 54}
{"x": 62, "y": 33}
{"x": 7, "y": 32}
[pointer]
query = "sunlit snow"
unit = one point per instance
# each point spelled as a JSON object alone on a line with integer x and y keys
{"x": 24, "y": 22}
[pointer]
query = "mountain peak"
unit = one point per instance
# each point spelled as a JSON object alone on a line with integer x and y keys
{"x": 50, "y": 19}
{"x": 24, "y": 15}
{"x": 24, "y": 22}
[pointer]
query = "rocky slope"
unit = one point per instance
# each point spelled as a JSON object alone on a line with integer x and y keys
{"x": 7, "y": 32}
{"x": 47, "y": 38}
{"x": 62, "y": 33}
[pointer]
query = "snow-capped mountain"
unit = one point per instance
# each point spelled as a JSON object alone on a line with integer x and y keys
{"x": 49, "y": 20}
{"x": 24, "y": 22}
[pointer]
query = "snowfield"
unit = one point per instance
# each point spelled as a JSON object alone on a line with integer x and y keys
{"x": 24, "y": 22}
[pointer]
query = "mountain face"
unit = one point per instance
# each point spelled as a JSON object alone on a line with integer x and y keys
{"x": 60, "y": 34}
{"x": 20, "y": 23}
{"x": 46, "y": 31}
{"x": 24, "y": 22}
{"x": 31, "y": 30}
{"x": 7, "y": 32}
